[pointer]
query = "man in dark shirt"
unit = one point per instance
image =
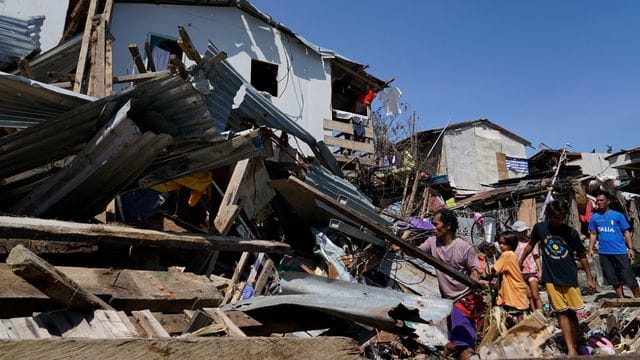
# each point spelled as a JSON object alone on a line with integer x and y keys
{"x": 557, "y": 242}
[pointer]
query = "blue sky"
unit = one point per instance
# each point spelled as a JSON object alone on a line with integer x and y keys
{"x": 551, "y": 71}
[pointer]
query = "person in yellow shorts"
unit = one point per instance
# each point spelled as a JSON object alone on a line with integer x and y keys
{"x": 557, "y": 242}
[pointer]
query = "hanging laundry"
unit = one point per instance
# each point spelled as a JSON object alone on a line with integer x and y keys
{"x": 390, "y": 99}
{"x": 367, "y": 98}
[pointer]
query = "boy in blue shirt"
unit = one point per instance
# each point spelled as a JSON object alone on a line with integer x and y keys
{"x": 615, "y": 249}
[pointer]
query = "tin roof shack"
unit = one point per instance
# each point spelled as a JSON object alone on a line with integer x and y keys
{"x": 474, "y": 154}
{"x": 316, "y": 87}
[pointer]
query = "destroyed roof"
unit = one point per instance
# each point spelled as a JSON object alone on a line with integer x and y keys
{"x": 467, "y": 124}
{"x": 250, "y": 9}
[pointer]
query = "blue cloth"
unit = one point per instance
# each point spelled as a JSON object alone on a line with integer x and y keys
{"x": 462, "y": 330}
{"x": 610, "y": 227}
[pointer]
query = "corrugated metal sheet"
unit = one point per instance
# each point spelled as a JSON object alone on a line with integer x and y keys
{"x": 369, "y": 305}
{"x": 343, "y": 192}
{"x": 18, "y": 38}
{"x": 106, "y": 161}
{"x": 228, "y": 84}
{"x": 62, "y": 58}
{"x": 27, "y": 102}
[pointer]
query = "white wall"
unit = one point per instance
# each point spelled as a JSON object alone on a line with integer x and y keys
{"x": 304, "y": 90}
{"x": 470, "y": 156}
{"x": 595, "y": 164}
{"x": 55, "y": 12}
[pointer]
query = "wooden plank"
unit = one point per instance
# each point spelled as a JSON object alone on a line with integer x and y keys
{"x": 151, "y": 65}
{"x": 108, "y": 63}
{"x": 221, "y": 318}
{"x": 177, "y": 62}
{"x": 185, "y": 43}
{"x": 222, "y": 348}
{"x": 229, "y": 208}
{"x": 98, "y": 64}
{"x": 345, "y": 127}
{"x": 3, "y": 332}
{"x": 501, "y": 161}
{"x": 28, "y": 328}
{"x": 55, "y": 230}
{"x": 236, "y": 276}
{"x": 362, "y": 160}
{"x": 126, "y": 289}
{"x": 137, "y": 60}
{"x": 74, "y": 19}
{"x": 263, "y": 277}
{"x": 136, "y": 78}
{"x": 349, "y": 144}
{"x": 199, "y": 320}
{"x": 51, "y": 281}
{"x": 84, "y": 48}
{"x": 382, "y": 232}
{"x": 150, "y": 324}
{"x": 92, "y": 58}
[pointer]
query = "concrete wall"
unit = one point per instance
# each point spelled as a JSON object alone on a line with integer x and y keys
{"x": 470, "y": 157}
{"x": 304, "y": 88}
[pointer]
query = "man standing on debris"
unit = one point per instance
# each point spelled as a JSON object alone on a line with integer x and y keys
{"x": 615, "y": 247}
{"x": 531, "y": 266}
{"x": 557, "y": 242}
{"x": 468, "y": 306}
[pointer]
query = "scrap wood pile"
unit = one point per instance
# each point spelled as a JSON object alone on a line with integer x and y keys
{"x": 168, "y": 213}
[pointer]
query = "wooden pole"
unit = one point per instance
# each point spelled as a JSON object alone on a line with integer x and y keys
{"x": 52, "y": 281}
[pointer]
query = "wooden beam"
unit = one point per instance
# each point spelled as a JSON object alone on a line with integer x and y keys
{"x": 129, "y": 290}
{"x": 345, "y": 127}
{"x": 263, "y": 277}
{"x": 222, "y": 348}
{"x": 51, "y": 281}
{"x": 185, "y": 43}
{"x": 235, "y": 277}
{"x": 151, "y": 65}
{"x": 349, "y": 144}
{"x": 137, "y": 60}
{"x": 97, "y": 71}
{"x": 221, "y": 318}
{"x": 139, "y": 77}
{"x": 24, "y": 228}
{"x": 181, "y": 68}
{"x": 84, "y": 48}
{"x": 150, "y": 324}
{"x": 384, "y": 233}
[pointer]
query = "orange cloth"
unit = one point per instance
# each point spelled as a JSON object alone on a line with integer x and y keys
{"x": 513, "y": 289}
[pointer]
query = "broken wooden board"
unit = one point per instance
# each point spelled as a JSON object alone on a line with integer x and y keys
{"x": 608, "y": 303}
{"x": 127, "y": 290}
{"x": 524, "y": 340}
{"x": 51, "y": 281}
{"x": 48, "y": 247}
{"x": 324, "y": 348}
{"x": 248, "y": 190}
{"x": 23, "y": 228}
{"x": 98, "y": 324}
